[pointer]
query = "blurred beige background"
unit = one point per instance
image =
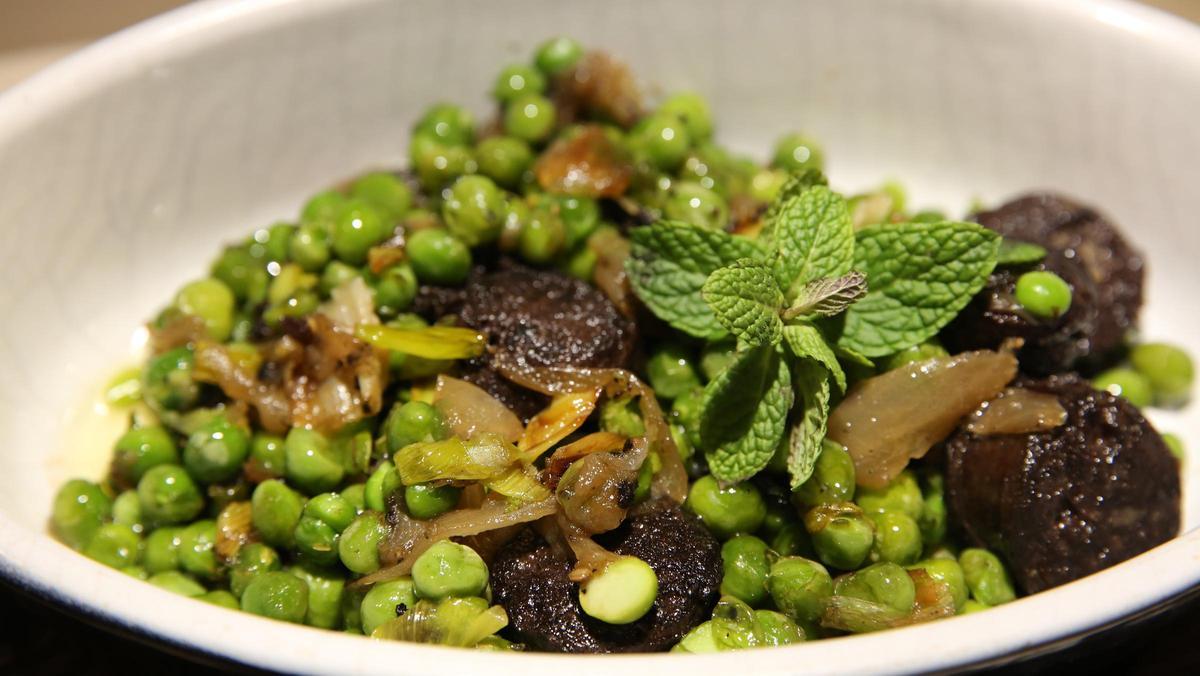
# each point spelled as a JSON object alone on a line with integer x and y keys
{"x": 34, "y": 33}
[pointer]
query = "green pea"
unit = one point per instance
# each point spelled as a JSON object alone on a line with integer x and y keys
{"x": 793, "y": 540}
{"x": 504, "y": 159}
{"x": 383, "y": 600}
{"x": 1127, "y": 383}
{"x": 474, "y": 210}
{"x": 621, "y": 593}
{"x": 447, "y": 123}
{"x": 382, "y": 483}
{"x": 1167, "y": 368}
{"x": 973, "y": 606}
{"x": 543, "y": 235}
{"x": 726, "y": 511}
{"x": 800, "y": 588}
{"x": 693, "y": 110}
{"x": 335, "y": 274}
{"x": 412, "y": 422}
{"x": 796, "y": 152}
{"x": 917, "y": 353}
{"x": 169, "y": 495}
{"x": 355, "y": 495}
{"x": 136, "y": 572}
{"x": 178, "y": 583}
{"x": 780, "y": 514}
{"x": 716, "y": 357}
{"x": 326, "y": 591}
{"x": 215, "y": 452}
{"x": 766, "y": 184}
{"x": 127, "y": 510}
{"x": 358, "y": 548}
{"x": 744, "y": 559}
{"x": 267, "y": 455}
{"x": 557, "y": 54}
{"x": 1175, "y": 446}
{"x": 141, "y": 448}
{"x": 277, "y": 595}
{"x": 394, "y": 289}
{"x": 698, "y": 641}
{"x": 530, "y": 117}
{"x": 222, "y": 598}
{"x": 426, "y": 501}
{"x": 251, "y": 560}
{"x": 897, "y": 538}
{"x": 694, "y": 204}
{"x": 663, "y": 140}
{"x": 438, "y": 163}
{"x": 242, "y": 273}
{"x": 841, "y": 534}
{"x": 80, "y": 508}
{"x": 621, "y": 416}
{"x": 275, "y": 511}
{"x": 309, "y": 247}
{"x": 386, "y": 193}
{"x": 949, "y": 573}
{"x": 270, "y": 244}
{"x": 933, "y": 512}
{"x": 449, "y": 569}
{"x": 902, "y": 495}
{"x": 322, "y": 207}
{"x": 671, "y": 372}
{"x": 582, "y": 264}
{"x": 884, "y": 583}
{"x": 1043, "y": 294}
{"x": 357, "y": 228}
{"x": 321, "y": 523}
{"x": 516, "y": 80}
{"x": 832, "y": 479}
{"x": 986, "y": 577}
{"x": 210, "y": 301}
{"x": 196, "y": 550}
{"x": 580, "y": 218}
{"x": 438, "y": 257}
{"x": 162, "y": 550}
{"x": 168, "y": 383}
{"x": 115, "y": 545}
{"x": 311, "y": 463}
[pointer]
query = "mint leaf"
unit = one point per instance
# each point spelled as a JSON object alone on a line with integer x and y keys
{"x": 746, "y": 300}
{"x": 828, "y": 296}
{"x": 668, "y": 265}
{"x": 797, "y": 183}
{"x": 1016, "y": 252}
{"x": 921, "y": 276}
{"x": 806, "y": 342}
{"x": 813, "y": 237}
{"x": 809, "y": 420}
{"x": 744, "y": 414}
{"x": 846, "y": 354}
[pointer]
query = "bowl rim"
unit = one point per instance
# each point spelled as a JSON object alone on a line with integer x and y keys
{"x": 51, "y": 571}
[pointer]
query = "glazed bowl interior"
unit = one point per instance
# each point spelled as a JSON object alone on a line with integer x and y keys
{"x": 124, "y": 167}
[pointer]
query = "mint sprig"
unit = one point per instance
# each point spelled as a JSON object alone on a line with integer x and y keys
{"x": 807, "y": 297}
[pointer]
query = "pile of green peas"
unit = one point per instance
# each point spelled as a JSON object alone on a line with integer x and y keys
{"x": 790, "y": 552}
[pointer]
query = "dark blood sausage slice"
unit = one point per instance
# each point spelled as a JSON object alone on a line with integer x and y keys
{"x": 1083, "y": 239}
{"x": 1065, "y": 503}
{"x": 529, "y": 578}
{"x": 542, "y": 318}
{"x": 1051, "y": 345}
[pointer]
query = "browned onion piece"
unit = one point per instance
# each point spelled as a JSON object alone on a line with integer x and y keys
{"x": 597, "y": 489}
{"x": 585, "y": 164}
{"x": 590, "y": 557}
{"x": 409, "y": 538}
{"x": 892, "y": 418}
{"x": 847, "y": 613}
{"x": 180, "y": 331}
{"x": 350, "y": 304}
{"x": 601, "y": 85}
{"x": 554, "y": 423}
{"x": 469, "y": 411}
{"x": 1017, "y": 410}
{"x": 610, "y": 276}
{"x": 215, "y": 364}
{"x": 596, "y": 442}
{"x": 235, "y": 528}
{"x": 671, "y": 479}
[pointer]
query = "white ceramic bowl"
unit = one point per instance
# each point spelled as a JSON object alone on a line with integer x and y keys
{"x": 124, "y": 166}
